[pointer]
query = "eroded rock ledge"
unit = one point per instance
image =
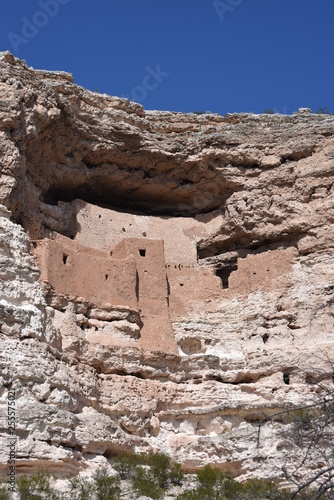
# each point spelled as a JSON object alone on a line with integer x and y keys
{"x": 166, "y": 278}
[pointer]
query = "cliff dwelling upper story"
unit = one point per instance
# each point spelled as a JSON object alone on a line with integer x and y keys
{"x": 130, "y": 260}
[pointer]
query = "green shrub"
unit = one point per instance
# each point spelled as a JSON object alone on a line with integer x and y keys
{"x": 217, "y": 485}
{"x": 213, "y": 485}
{"x": 106, "y": 486}
{"x": 159, "y": 464}
{"x": 36, "y": 487}
{"x": 229, "y": 486}
{"x": 208, "y": 477}
{"x": 162, "y": 471}
{"x": 198, "y": 494}
{"x": 258, "y": 489}
{"x": 125, "y": 463}
{"x": 81, "y": 488}
{"x": 145, "y": 483}
{"x": 4, "y": 493}
{"x": 176, "y": 474}
{"x": 101, "y": 486}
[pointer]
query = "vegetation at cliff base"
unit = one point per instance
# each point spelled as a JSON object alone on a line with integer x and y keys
{"x": 157, "y": 477}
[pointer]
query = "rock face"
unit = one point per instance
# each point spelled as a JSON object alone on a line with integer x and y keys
{"x": 166, "y": 279}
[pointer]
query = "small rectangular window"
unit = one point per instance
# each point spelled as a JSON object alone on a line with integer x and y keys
{"x": 142, "y": 252}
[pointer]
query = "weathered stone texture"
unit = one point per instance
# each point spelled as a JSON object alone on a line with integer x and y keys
{"x": 160, "y": 273}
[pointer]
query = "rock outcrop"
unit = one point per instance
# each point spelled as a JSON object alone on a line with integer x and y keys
{"x": 166, "y": 278}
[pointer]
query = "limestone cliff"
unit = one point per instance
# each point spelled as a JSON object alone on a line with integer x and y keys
{"x": 166, "y": 278}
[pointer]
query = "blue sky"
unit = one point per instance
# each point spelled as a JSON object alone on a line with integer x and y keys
{"x": 183, "y": 55}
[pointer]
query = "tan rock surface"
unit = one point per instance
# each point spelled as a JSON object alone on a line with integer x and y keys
{"x": 160, "y": 273}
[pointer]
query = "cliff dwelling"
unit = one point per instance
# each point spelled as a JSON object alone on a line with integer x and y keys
{"x": 147, "y": 265}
